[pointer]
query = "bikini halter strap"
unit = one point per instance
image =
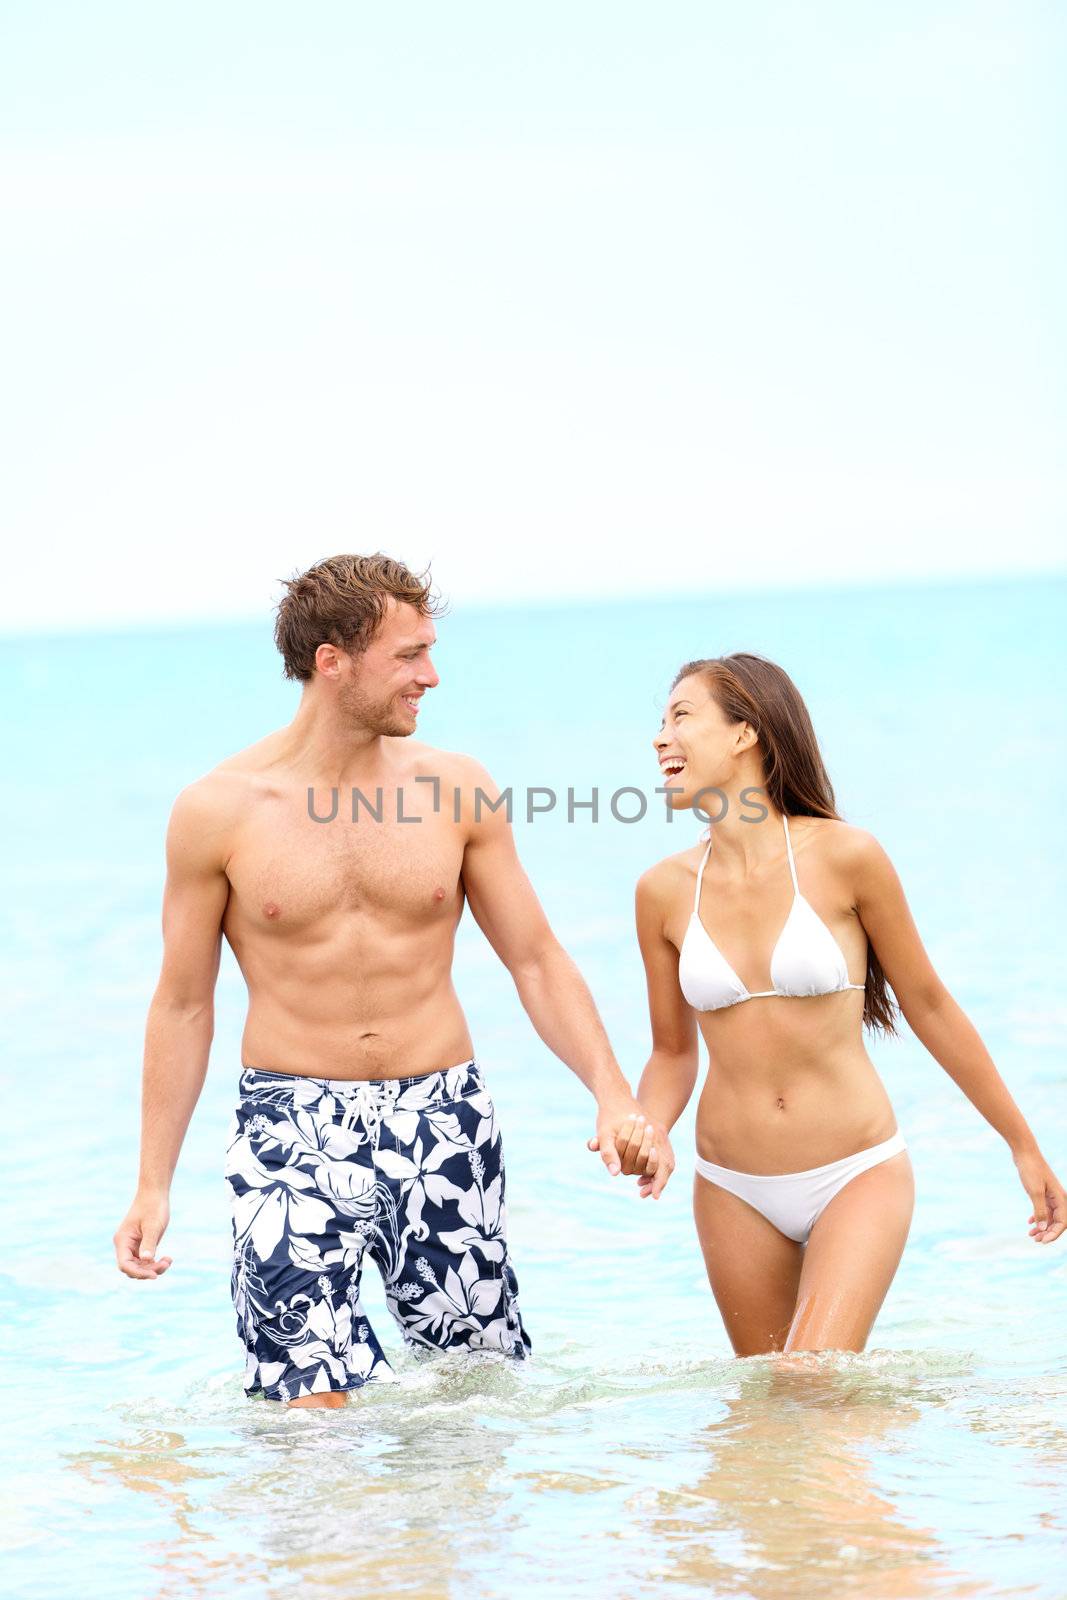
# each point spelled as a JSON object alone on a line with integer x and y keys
{"x": 789, "y": 852}
{"x": 700, "y": 874}
{"x": 707, "y": 852}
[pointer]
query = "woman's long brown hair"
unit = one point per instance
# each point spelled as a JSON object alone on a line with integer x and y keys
{"x": 751, "y": 689}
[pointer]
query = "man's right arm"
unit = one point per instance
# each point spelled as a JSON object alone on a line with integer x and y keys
{"x": 181, "y": 1017}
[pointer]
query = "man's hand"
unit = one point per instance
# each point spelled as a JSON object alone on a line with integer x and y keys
{"x": 137, "y": 1237}
{"x": 632, "y": 1143}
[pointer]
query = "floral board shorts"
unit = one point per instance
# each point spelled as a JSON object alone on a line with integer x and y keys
{"x": 324, "y": 1171}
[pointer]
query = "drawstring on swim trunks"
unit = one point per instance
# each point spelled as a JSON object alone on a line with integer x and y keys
{"x": 369, "y": 1103}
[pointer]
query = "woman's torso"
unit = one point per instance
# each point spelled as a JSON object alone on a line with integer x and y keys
{"x": 790, "y": 1084}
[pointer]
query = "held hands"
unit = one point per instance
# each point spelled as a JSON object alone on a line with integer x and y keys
{"x": 631, "y": 1143}
{"x": 1046, "y": 1195}
{"x": 137, "y": 1237}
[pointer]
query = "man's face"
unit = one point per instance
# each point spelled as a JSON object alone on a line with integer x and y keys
{"x": 389, "y": 678}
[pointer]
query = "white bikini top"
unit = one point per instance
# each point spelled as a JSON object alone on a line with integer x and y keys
{"x": 807, "y": 959}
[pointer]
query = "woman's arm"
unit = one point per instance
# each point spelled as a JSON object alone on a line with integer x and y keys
{"x": 668, "y": 1078}
{"x": 671, "y": 1072}
{"x": 942, "y": 1027}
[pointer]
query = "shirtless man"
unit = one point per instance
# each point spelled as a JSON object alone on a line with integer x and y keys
{"x": 363, "y": 1124}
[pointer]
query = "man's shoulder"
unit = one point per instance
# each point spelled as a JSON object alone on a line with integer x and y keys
{"x": 467, "y": 791}
{"x": 251, "y": 762}
{"x": 218, "y": 797}
{"x": 204, "y": 819}
{"x": 454, "y": 768}
{"x": 210, "y": 802}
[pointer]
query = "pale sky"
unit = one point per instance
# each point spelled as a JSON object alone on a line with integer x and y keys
{"x": 568, "y": 298}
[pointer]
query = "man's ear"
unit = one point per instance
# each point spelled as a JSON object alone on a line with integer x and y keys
{"x": 326, "y": 660}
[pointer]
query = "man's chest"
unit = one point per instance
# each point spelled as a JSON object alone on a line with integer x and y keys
{"x": 293, "y": 864}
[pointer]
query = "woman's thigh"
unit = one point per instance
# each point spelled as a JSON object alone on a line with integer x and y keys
{"x": 754, "y": 1270}
{"x": 851, "y": 1256}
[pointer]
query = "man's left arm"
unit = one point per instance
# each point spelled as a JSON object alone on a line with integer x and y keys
{"x": 552, "y": 990}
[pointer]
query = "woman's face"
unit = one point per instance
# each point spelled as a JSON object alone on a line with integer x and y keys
{"x": 697, "y": 746}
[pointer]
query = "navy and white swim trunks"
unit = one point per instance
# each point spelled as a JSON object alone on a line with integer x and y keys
{"x": 323, "y": 1171}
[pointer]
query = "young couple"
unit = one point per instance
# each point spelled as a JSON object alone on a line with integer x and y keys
{"x": 363, "y": 1124}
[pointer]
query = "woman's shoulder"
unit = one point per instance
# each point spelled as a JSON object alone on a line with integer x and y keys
{"x": 663, "y": 878}
{"x": 845, "y": 845}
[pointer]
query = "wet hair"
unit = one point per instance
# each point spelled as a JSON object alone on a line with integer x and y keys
{"x": 342, "y": 601}
{"x": 749, "y": 688}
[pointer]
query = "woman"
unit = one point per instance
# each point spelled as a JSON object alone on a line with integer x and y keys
{"x": 779, "y": 937}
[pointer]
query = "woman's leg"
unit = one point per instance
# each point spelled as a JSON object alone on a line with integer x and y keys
{"x": 852, "y": 1253}
{"x": 754, "y": 1270}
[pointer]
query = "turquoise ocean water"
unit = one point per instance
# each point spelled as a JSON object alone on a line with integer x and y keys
{"x": 633, "y": 1456}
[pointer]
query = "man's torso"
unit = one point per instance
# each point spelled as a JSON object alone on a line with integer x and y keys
{"x": 344, "y": 928}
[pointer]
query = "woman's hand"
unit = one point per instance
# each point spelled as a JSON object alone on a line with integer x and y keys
{"x": 1046, "y": 1195}
{"x": 644, "y": 1152}
{"x": 653, "y": 1180}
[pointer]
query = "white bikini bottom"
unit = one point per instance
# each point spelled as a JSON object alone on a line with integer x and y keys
{"x": 793, "y": 1201}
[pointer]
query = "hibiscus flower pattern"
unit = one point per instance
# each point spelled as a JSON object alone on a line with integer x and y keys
{"x": 322, "y": 1172}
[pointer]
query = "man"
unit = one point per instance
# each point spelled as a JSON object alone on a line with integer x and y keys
{"x": 363, "y": 1123}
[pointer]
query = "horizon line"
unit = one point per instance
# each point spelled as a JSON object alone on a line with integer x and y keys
{"x": 192, "y": 622}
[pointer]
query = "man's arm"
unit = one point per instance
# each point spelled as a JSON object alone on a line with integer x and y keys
{"x": 552, "y": 990}
{"x": 181, "y": 1018}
